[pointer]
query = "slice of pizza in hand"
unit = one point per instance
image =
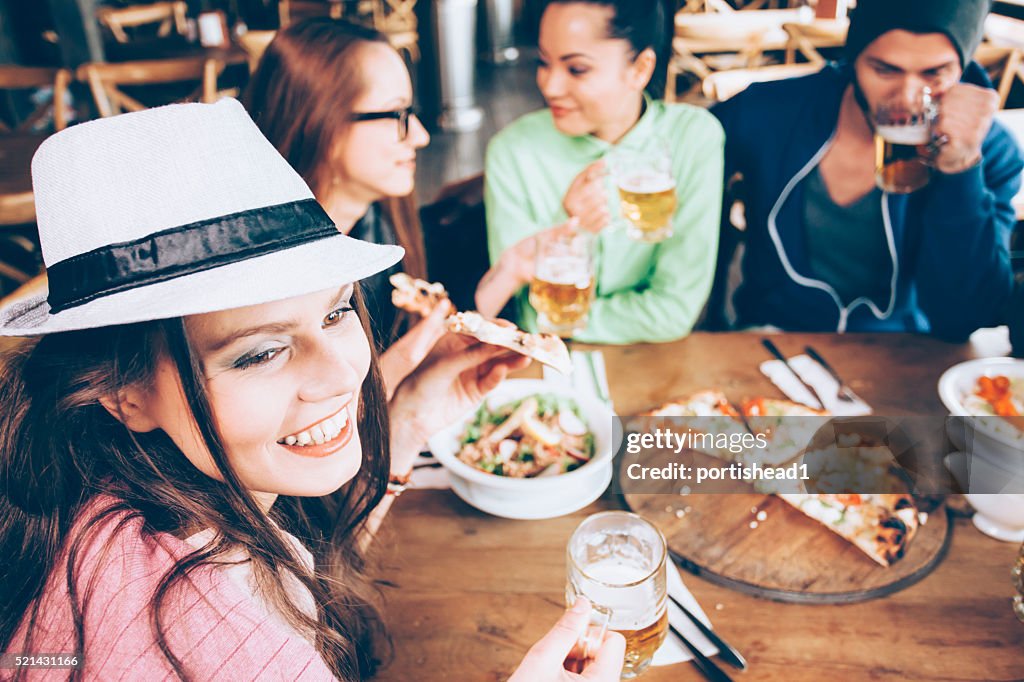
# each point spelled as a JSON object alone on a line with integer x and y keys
{"x": 546, "y": 348}
{"x": 880, "y": 525}
{"x": 416, "y": 295}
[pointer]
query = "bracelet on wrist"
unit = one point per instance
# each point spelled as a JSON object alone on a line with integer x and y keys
{"x": 398, "y": 483}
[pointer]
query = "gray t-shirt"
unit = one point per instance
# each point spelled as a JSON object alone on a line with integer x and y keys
{"x": 846, "y": 245}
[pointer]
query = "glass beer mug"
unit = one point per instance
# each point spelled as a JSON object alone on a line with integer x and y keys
{"x": 617, "y": 561}
{"x": 903, "y": 133}
{"x": 562, "y": 287}
{"x": 647, "y": 192}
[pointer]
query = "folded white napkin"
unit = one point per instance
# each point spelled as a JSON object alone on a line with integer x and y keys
{"x": 815, "y": 375}
{"x": 673, "y": 651}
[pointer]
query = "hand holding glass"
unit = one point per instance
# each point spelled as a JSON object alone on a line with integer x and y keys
{"x": 617, "y": 561}
{"x": 903, "y": 132}
{"x": 647, "y": 193}
{"x": 563, "y": 282}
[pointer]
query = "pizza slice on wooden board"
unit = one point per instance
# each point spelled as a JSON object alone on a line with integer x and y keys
{"x": 712, "y": 414}
{"x": 546, "y": 348}
{"x": 880, "y": 525}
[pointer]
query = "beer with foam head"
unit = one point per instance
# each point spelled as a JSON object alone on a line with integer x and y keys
{"x": 648, "y": 201}
{"x": 900, "y": 167}
{"x": 561, "y": 292}
{"x": 903, "y": 131}
{"x": 563, "y": 282}
{"x": 617, "y": 561}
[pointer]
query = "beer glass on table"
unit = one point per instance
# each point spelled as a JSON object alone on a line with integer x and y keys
{"x": 647, "y": 193}
{"x": 903, "y": 133}
{"x": 617, "y": 561}
{"x": 563, "y": 282}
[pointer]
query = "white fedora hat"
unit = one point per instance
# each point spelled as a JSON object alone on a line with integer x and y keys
{"x": 175, "y": 211}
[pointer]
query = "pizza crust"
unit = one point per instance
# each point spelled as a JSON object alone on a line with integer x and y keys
{"x": 416, "y": 295}
{"x": 545, "y": 348}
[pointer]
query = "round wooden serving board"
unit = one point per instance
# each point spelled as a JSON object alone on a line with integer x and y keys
{"x": 788, "y": 556}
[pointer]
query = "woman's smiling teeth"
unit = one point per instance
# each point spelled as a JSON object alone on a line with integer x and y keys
{"x": 320, "y": 433}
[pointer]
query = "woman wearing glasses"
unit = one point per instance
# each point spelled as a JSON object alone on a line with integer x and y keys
{"x": 335, "y": 100}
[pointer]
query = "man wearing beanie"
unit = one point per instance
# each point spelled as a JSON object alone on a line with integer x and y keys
{"x": 826, "y": 249}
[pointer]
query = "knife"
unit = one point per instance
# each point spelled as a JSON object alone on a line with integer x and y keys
{"x": 778, "y": 354}
{"x": 703, "y": 663}
{"x": 725, "y": 652}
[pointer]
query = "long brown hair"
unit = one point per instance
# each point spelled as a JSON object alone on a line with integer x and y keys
{"x": 301, "y": 98}
{"x": 60, "y": 449}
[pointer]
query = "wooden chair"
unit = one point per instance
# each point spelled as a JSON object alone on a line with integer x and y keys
{"x": 169, "y": 15}
{"x": 28, "y": 77}
{"x": 106, "y": 80}
{"x": 290, "y": 11}
{"x": 722, "y": 85}
{"x": 1003, "y": 64}
{"x": 254, "y": 44}
{"x": 807, "y": 39}
{"x": 455, "y": 239}
{"x": 397, "y": 20}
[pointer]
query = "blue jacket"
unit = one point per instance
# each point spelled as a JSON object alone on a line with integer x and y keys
{"x": 949, "y": 242}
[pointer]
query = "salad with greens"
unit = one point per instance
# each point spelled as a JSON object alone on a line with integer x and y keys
{"x": 540, "y": 435}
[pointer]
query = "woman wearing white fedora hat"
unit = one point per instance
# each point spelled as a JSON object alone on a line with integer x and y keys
{"x": 193, "y": 448}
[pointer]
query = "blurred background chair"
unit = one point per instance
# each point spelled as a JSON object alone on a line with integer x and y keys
{"x": 290, "y": 11}
{"x": 29, "y": 78}
{"x": 254, "y": 44}
{"x": 722, "y": 85}
{"x": 397, "y": 20}
{"x": 107, "y": 80}
{"x": 455, "y": 239}
{"x": 1003, "y": 65}
{"x": 708, "y": 42}
{"x": 125, "y": 22}
{"x": 808, "y": 38}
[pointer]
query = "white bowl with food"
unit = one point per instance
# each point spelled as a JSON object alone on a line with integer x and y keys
{"x": 990, "y": 393}
{"x": 531, "y": 451}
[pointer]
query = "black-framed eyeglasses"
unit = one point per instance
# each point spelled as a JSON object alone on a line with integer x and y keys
{"x": 400, "y": 115}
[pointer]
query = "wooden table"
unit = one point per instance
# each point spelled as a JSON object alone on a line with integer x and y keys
{"x": 16, "y": 150}
{"x": 472, "y": 592}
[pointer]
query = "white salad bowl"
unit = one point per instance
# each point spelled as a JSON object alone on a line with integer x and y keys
{"x": 530, "y": 498}
{"x": 992, "y": 438}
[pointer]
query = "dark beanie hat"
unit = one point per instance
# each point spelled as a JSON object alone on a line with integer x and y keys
{"x": 961, "y": 20}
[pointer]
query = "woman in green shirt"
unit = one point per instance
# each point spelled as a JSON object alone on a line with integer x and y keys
{"x": 601, "y": 72}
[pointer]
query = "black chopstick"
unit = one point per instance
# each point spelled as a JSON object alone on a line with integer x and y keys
{"x": 703, "y": 663}
{"x": 726, "y": 652}
{"x": 779, "y": 356}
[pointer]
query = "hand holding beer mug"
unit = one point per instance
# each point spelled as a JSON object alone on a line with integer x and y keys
{"x": 563, "y": 281}
{"x": 617, "y": 561}
{"x": 903, "y": 135}
{"x": 647, "y": 192}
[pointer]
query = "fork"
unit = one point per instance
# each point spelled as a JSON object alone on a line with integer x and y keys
{"x": 843, "y": 393}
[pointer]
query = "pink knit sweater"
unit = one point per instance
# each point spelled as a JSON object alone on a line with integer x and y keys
{"x": 216, "y": 627}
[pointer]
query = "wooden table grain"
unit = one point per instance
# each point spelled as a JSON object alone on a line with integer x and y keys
{"x": 472, "y": 592}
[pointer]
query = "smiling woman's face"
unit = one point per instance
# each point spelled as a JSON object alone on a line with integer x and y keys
{"x": 591, "y": 82}
{"x": 283, "y": 380}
